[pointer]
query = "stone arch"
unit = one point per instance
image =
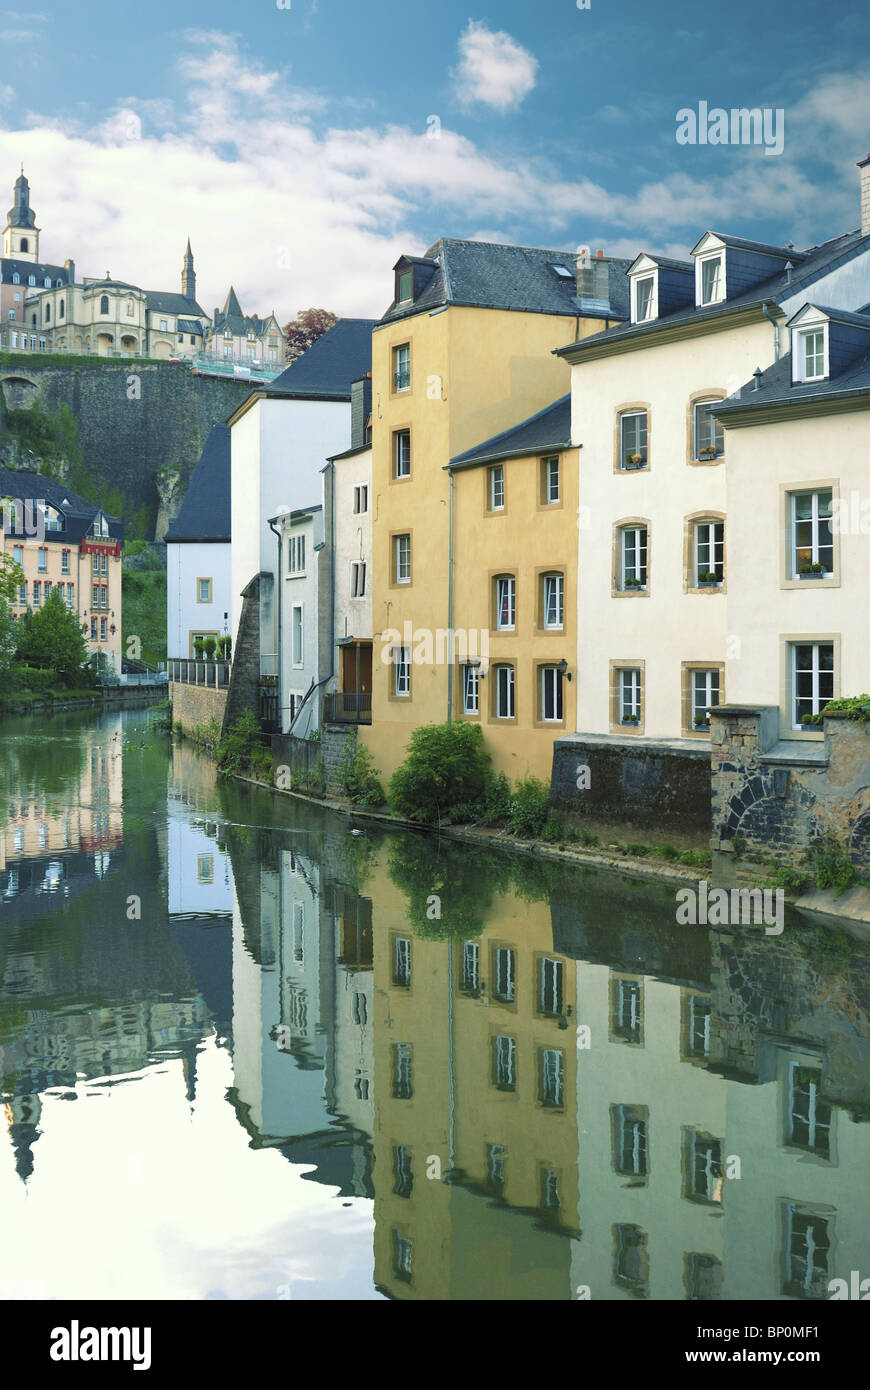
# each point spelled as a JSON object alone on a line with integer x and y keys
{"x": 859, "y": 839}
{"x": 162, "y": 350}
{"x": 19, "y": 392}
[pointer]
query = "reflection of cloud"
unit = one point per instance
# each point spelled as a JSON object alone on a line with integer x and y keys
{"x": 493, "y": 68}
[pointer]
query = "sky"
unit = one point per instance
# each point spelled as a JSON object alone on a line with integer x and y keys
{"x": 303, "y": 145}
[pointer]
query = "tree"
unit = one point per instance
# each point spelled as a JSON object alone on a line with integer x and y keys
{"x": 305, "y": 329}
{"x": 446, "y": 765}
{"x": 11, "y": 576}
{"x": 51, "y": 638}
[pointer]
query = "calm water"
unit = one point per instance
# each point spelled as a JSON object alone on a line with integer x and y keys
{"x": 245, "y": 1053}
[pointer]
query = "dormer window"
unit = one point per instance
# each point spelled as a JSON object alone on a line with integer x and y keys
{"x": 810, "y": 347}
{"x": 405, "y": 289}
{"x": 711, "y": 284}
{"x": 644, "y": 298}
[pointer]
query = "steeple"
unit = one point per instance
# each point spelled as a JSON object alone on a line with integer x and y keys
{"x": 21, "y": 234}
{"x": 188, "y": 274}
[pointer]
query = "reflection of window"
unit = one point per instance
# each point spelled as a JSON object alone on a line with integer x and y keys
{"x": 403, "y": 1087}
{"x": 809, "y": 1116}
{"x": 552, "y": 1077}
{"x": 807, "y": 1250}
{"x": 631, "y": 1260}
{"x": 471, "y": 967}
{"x": 403, "y": 1177}
{"x": 360, "y": 1009}
{"x": 704, "y": 1173}
{"x": 629, "y": 1134}
{"x": 698, "y": 1026}
{"x": 496, "y": 1163}
{"x": 703, "y": 1277}
{"x": 403, "y": 1257}
{"x": 361, "y": 1086}
{"x": 505, "y": 974}
{"x": 550, "y": 986}
{"x": 299, "y": 933}
{"x": 550, "y": 1199}
{"x": 402, "y": 962}
{"x": 505, "y": 1063}
{"x": 627, "y": 1010}
{"x": 205, "y": 868}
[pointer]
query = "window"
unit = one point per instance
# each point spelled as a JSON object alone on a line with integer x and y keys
{"x": 633, "y": 557}
{"x": 48, "y": 313}
{"x": 470, "y": 967}
{"x": 703, "y": 1277}
{"x": 551, "y": 695}
{"x": 627, "y": 1005}
{"x": 163, "y": 326}
{"x": 811, "y": 354}
{"x": 496, "y": 1165}
{"x": 633, "y": 439}
{"x": 70, "y": 594}
{"x": 402, "y": 962}
{"x": 22, "y": 593}
{"x": 360, "y": 1009}
{"x": 643, "y": 292}
{"x": 505, "y": 705}
{"x": 550, "y": 481}
{"x": 505, "y": 974}
{"x": 504, "y": 1063}
{"x": 812, "y": 541}
{"x": 550, "y": 1199}
{"x": 809, "y": 1117}
{"x": 296, "y": 555}
{"x": 100, "y": 526}
{"x": 550, "y": 982}
{"x": 709, "y": 557}
{"x": 807, "y": 1251}
{"x": 46, "y": 588}
{"x": 358, "y": 579}
{"x": 18, "y": 554}
{"x": 402, "y": 367}
{"x": 95, "y": 563}
{"x": 403, "y": 1177}
{"x": 402, "y": 671}
{"x": 553, "y": 600}
{"x": 205, "y": 868}
{"x": 16, "y": 279}
{"x": 712, "y": 280}
{"x": 31, "y": 280}
{"x": 93, "y": 629}
{"x": 104, "y": 563}
{"x": 704, "y": 1174}
{"x": 360, "y": 499}
{"x": 402, "y": 559}
{"x": 11, "y": 314}
{"x": 103, "y": 629}
{"x": 37, "y": 593}
{"x": 403, "y": 1257}
{"x": 470, "y": 689}
{"x": 203, "y": 591}
{"x": 505, "y": 602}
{"x": 709, "y": 436}
{"x": 64, "y": 562}
{"x": 104, "y": 596}
{"x": 104, "y": 304}
{"x": 401, "y": 453}
{"x": 551, "y": 1077}
{"x": 403, "y": 1087}
{"x": 46, "y": 284}
{"x": 406, "y": 286}
{"x": 129, "y": 308}
{"x": 42, "y": 561}
{"x": 296, "y": 635}
{"x": 631, "y": 1259}
{"x": 496, "y": 488}
{"x": 705, "y": 695}
{"x": 629, "y": 1133}
{"x": 812, "y": 678}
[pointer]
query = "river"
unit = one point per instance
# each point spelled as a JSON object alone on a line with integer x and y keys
{"x": 251, "y": 1050}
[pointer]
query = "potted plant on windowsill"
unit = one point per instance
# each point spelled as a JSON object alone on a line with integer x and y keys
{"x": 701, "y": 721}
{"x": 811, "y": 720}
{"x": 708, "y": 452}
{"x": 631, "y": 719}
{"x": 814, "y": 571}
{"x": 632, "y": 583}
{"x": 634, "y": 461}
{"x": 707, "y": 579}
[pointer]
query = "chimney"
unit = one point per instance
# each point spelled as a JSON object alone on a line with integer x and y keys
{"x": 70, "y": 268}
{"x": 864, "y": 166}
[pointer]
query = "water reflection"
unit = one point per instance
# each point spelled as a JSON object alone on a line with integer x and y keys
{"x": 454, "y": 1075}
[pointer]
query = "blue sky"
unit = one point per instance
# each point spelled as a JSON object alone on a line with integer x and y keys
{"x": 303, "y": 149}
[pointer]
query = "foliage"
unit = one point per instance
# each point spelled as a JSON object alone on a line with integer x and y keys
{"x": 856, "y": 707}
{"x": 51, "y": 636}
{"x": 639, "y": 851}
{"x": 586, "y": 837}
{"x": 242, "y": 750}
{"x": 199, "y": 648}
{"x": 210, "y": 647}
{"x": 207, "y": 735}
{"x": 788, "y": 879}
{"x": 669, "y": 852}
{"x": 224, "y": 647}
{"x": 144, "y": 612}
{"x": 102, "y": 669}
{"x": 449, "y": 888}
{"x": 32, "y": 679}
{"x": 530, "y": 807}
{"x": 697, "y": 858}
{"x": 141, "y": 555}
{"x": 446, "y": 764}
{"x": 305, "y": 329}
{"x": 11, "y": 575}
{"x": 832, "y": 868}
{"x": 357, "y": 775}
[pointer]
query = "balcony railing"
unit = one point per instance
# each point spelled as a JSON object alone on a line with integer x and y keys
{"x": 193, "y": 672}
{"x": 348, "y": 707}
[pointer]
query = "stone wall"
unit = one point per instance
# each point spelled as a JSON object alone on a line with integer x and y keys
{"x": 781, "y": 797}
{"x": 317, "y": 758}
{"x": 196, "y": 704}
{"x": 245, "y": 673}
{"x": 661, "y": 785}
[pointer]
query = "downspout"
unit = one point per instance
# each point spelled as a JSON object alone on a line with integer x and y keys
{"x": 280, "y": 642}
{"x": 769, "y": 316}
{"x": 450, "y": 604}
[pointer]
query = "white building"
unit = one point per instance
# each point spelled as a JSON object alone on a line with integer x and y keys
{"x": 304, "y": 567}
{"x": 198, "y": 562}
{"x": 350, "y": 691}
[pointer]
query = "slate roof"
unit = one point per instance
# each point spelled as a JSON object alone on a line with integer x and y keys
{"x": 861, "y": 319}
{"x": 239, "y": 324}
{"x": 809, "y": 265}
{"x": 79, "y": 514}
{"x": 339, "y": 356}
{"x": 741, "y": 244}
{"x": 167, "y": 302}
{"x": 668, "y": 262}
{"x": 109, "y": 284}
{"x": 189, "y": 326}
{"x": 205, "y": 511}
{"x": 10, "y": 264}
{"x": 549, "y": 429}
{"x": 775, "y": 387}
{"x": 488, "y": 275}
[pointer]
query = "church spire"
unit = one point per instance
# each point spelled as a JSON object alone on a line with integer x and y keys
{"x": 188, "y": 274}
{"x": 21, "y": 234}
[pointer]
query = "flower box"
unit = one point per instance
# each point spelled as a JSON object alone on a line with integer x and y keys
{"x": 709, "y": 452}
{"x": 630, "y": 719}
{"x": 813, "y": 574}
{"x": 633, "y": 585}
{"x": 634, "y": 461}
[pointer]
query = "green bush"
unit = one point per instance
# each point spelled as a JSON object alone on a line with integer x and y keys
{"x": 832, "y": 868}
{"x": 698, "y": 858}
{"x": 357, "y": 775}
{"x": 496, "y": 805}
{"x": 637, "y": 850}
{"x": 554, "y": 829}
{"x": 586, "y": 837}
{"x": 446, "y": 765}
{"x": 530, "y": 807}
{"x": 788, "y": 879}
{"x": 209, "y": 647}
{"x": 241, "y": 749}
{"x": 198, "y": 648}
{"x": 224, "y": 647}
{"x": 669, "y": 852}
{"x": 33, "y": 679}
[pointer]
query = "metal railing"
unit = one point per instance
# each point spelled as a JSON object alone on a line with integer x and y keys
{"x": 348, "y": 707}
{"x": 193, "y": 672}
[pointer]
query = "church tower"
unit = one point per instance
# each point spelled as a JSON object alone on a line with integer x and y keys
{"x": 188, "y": 274}
{"x": 21, "y": 234}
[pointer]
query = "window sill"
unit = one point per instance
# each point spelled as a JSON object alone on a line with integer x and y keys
{"x": 828, "y": 581}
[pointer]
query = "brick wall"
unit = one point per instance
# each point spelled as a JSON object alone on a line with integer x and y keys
{"x": 196, "y": 704}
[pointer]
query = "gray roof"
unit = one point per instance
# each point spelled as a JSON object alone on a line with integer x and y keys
{"x": 205, "y": 511}
{"x": 549, "y": 429}
{"x": 775, "y": 387}
{"x": 488, "y": 275}
{"x": 861, "y": 319}
{"x": 668, "y": 262}
{"x": 239, "y": 324}
{"x": 28, "y": 486}
{"x": 110, "y": 284}
{"x": 10, "y": 265}
{"x": 167, "y": 302}
{"x": 339, "y": 356}
{"x": 813, "y": 263}
{"x": 767, "y": 248}
{"x": 189, "y": 326}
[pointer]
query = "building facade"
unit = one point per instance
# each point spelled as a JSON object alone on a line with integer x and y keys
{"x": 198, "y": 562}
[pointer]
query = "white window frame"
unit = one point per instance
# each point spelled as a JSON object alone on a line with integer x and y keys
{"x": 402, "y": 555}
{"x": 705, "y": 537}
{"x": 642, "y": 449}
{"x": 402, "y": 368}
{"x": 815, "y": 520}
{"x": 358, "y": 579}
{"x": 496, "y": 487}
{"x": 651, "y": 277}
{"x": 640, "y": 568}
{"x": 297, "y": 636}
{"x": 630, "y": 693}
{"x": 706, "y": 682}
{"x": 506, "y": 598}
{"x": 552, "y": 474}
{"x": 800, "y": 346}
{"x": 816, "y": 678}
{"x": 401, "y": 464}
{"x": 553, "y": 589}
{"x": 552, "y": 676}
{"x": 402, "y": 672}
{"x": 505, "y": 686}
{"x": 470, "y": 689}
{"x": 360, "y": 499}
{"x": 717, "y": 433}
{"x": 701, "y": 262}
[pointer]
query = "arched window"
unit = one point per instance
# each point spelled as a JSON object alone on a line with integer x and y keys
{"x": 48, "y": 313}
{"x": 60, "y": 310}
{"x": 47, "y": 282}
{"x": 25, "y": 244}
{"x": 16, "y": 278}
{"x": 58, "y": 284}
{"x": 104, "y": 304}
{"x": 31, "y": 279}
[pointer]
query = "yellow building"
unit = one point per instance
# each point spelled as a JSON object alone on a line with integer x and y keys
{"x": 515, "y": 529}
{"x": 465, "y": 351}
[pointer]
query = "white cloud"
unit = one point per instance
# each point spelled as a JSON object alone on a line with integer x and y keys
{"x": 493, "y": 68}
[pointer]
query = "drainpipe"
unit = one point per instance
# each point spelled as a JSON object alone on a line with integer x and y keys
{"x": 769, "y": 316}
{"x": 279, "y": 643}
{"x": 450, "y": 604}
